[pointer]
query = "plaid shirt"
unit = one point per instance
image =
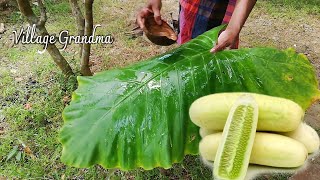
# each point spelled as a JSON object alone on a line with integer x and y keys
{"x": 198, "y": 16}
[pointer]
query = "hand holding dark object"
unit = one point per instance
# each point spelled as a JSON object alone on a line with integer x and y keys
{"x": 153, "y": 7}
{"x": 162, "y": 35}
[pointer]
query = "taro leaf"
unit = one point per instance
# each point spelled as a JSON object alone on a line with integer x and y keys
{"x": 138, "y": 116}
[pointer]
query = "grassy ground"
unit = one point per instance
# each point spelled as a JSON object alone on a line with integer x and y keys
{"x": 33, "y": 92}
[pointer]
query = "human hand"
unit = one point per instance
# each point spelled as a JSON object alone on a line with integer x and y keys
{"x": 153, "y": 7}
{"x": 227, "y": 38}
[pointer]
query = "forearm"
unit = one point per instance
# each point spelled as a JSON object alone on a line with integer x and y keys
{"x": 154, "y": 3}
{"x": 240, "y": 15}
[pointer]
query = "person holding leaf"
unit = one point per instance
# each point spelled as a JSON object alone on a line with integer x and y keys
{"x": 199, "y": 16}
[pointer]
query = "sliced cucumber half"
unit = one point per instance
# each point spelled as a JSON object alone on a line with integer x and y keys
{"x": 233, "y": 154}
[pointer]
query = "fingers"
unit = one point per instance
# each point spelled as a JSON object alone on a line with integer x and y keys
{"x": 145, "y": 12}
{"x": 140, "y": 22}
{"x": 157, "y": 15}
{"x": 219, "y": 47}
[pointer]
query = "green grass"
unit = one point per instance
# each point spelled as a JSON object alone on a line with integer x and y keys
{"x": 308, "y": 6}
{"x": 28, "y": 78}
{"x": 290, "y": 8}
{"x": 31, "y": 78}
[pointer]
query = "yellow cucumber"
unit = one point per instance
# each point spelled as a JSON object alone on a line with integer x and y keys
{"x": 233, "y": 153}
{"x": 268, "y": 149}
{"x": 204, "y": 132}
{"x": 307, "y": 136}
{"x": 304, "y": 134}
{"x": 275, "y": 114}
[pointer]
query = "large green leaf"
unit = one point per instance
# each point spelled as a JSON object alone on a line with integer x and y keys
{"x": 138, "y": 116}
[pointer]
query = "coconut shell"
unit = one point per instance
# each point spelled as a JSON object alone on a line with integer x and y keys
{"x": 162, "y": 35}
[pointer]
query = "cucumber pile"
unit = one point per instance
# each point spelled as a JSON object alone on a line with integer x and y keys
{"x": 242, "y": 128}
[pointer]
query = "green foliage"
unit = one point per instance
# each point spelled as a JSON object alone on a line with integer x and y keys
{"x": 138, "y": 116}
{"x": 292, "y": 8}
{"x": 57, "y": 7}
{"x": 297, "y": 4}
{"x": 55, "y": 10}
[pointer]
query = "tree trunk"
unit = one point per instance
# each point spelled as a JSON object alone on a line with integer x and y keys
{"x": 76, "y": 11}
{"x": 85, "y": 70}
{"x": 26, "y": 10}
